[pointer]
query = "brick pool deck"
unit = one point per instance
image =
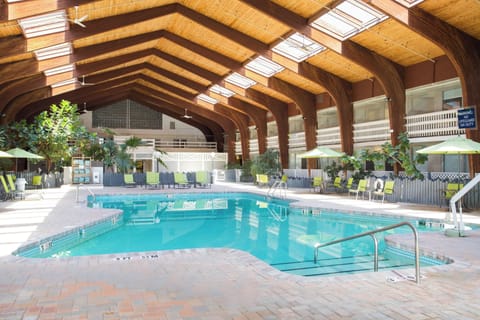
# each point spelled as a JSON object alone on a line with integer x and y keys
{"x": 220, "y": 283}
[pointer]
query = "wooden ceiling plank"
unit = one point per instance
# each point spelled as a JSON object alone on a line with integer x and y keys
{"x": 225, "y": 31}
{"x": 24, "y": 9}
{"x": 76, "y": 32}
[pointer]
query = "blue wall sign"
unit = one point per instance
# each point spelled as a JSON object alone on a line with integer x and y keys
{"x": 466, "y": 118}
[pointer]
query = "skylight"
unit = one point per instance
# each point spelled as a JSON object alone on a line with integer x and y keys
{"x": 64, "y": 83}
{"x": 264, "y": 66}
{"x": 347, "y": 19}
{"x": 44, "y": 24}
{"x": 298, "y": 47}
{"x": 58, "y": 70}
{"x": 206, "y": 98}
{"x": 54, "y": 51}
{"x": 239, "y": 80}
{"x": 222, "y": 91}
{"x": 409, "y": 3}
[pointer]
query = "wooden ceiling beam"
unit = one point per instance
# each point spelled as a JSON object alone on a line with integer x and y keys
{"x": 168, "y": 87}
{"x": 36, "y": 106}
{"x": 341, "y": 92}
{"x": 259, "y": 117}
{"x": 235, "y": 35}
{"x": 203, "y": 51}
{"x": 241, "y": 122}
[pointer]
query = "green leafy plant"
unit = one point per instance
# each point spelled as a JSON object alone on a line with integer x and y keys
{"x": 110, "y": 151}
{"x": 266, "y": 163}
{"x": 401, "y": 154}
{"x": 122, "y": 158}
{"x": 57, "y": 134}
{"x": 333, "y": 169}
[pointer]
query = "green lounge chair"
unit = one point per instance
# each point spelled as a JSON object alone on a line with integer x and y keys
{"x": 450, "y": 191}
{"x": 202, "y": 179}
{"x": 180, "y": 180}
{"x": 37, "y": 182}
{"x": 152, "y": 179}
{"x": 387, "y": 190}
{"x": 317, "y": 183}
{"x": 262, "y": 180}
{"x": 8, "y": 193}
{"x": 361, "y": 188}
{"x": 128, "y": 180}
{"x": 337, "y": 183}
{"x": 16, "y": 194}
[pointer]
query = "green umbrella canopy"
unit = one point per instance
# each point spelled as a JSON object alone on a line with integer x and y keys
{"x": 20, "y": 153}
{"x": 4, "y": 154}
{"x": 456, "y": 145}
{"x": 321, "y": 152}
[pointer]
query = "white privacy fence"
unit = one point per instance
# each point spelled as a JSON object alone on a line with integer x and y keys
{"x": 430, "y": 191}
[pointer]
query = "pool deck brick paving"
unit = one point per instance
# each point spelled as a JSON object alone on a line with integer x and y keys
{"x": 221, "y": 283}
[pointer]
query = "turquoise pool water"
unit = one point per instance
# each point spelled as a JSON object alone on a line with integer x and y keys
{"x": 269, "y": 229}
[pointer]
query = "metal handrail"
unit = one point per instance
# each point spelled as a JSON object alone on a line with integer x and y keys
{"x": 77, "y": 194}
{"x": 278, "y": 185}
{"x": 372, "y": 234}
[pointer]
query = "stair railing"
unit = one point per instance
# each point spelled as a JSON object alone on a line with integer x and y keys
{"x": 372, "y": 234}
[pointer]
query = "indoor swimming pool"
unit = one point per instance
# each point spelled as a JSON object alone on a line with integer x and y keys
{"x": 269, "y": 229}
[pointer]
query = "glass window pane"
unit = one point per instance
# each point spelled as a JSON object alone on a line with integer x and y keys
{"x": 298, "y": 47}
{"x": 58, "y": 70}
{"x": 239, "y": 80}
{"x": 264, "y": 66}
{"x": 44, "y": 24}
{"x": 206, "y": 98}
{"x": 348, "y": 18}
{"x": 222, "y": 91}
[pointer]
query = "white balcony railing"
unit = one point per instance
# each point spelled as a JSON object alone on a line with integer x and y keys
{"x": 253, "y": 143}
{"x": 296, "y": 141}
{"x": 372, "y": 131}
{"x": 272, "y": 142}
{"x": 122, "y": 139}
{"x": 329, "y": 136}
{"x": 238, "y": 147}
{"x": 441, "y": 123}
{"x": 163, "y": 145}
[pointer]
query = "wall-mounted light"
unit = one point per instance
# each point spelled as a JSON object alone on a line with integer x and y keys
{"x": 3, "y": 115}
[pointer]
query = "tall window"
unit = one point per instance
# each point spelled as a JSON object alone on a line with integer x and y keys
{"x": 452, "y": 99}
{"x": 127, "y": 114}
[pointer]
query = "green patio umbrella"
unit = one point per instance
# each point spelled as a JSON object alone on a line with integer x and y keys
{"x": 453, "y": 146}
{"x": 457, "y": 145}
{"x": 4, "y": 154}
{"x": 321, "y": 152}
{"x": 20, "y": 153}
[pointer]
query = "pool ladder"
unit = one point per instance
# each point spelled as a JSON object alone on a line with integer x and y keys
{"x": 278, "y": 185}
{"x": 375, "y": 244}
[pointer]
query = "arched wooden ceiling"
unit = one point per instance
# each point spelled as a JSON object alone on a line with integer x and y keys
{"x": 165, "y": 53}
